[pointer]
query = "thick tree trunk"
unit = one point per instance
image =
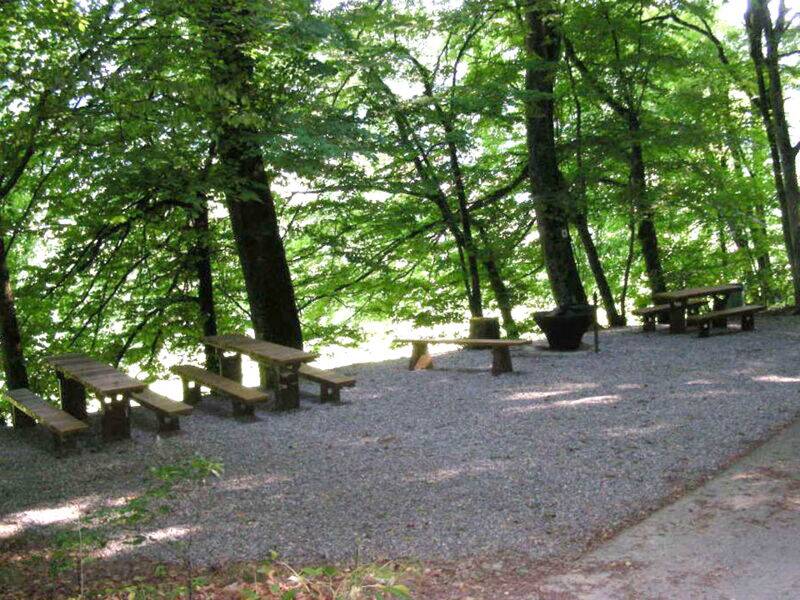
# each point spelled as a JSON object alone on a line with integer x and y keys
{"x": 542, "y": 44}
{"x": 205, "y": 279}
{"x": 582, "y": 225}
{"x": 13, "y": 357}
{"x": 250, "y": 202}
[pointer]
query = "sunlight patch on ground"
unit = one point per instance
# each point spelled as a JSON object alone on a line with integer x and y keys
{"x": 777, "y": 379}
{"x": 40, "y": 517}
{"x": 587, "y": 401}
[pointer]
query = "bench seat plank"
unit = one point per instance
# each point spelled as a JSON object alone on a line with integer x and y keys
{"x": 326, "y": 377}
{"x": 736, "y": 311}
{"x": 468, "y": 342}
{"x": 162, "y": 404}
{"x": 50, "y": 417}
{"x": 220, "y": 383}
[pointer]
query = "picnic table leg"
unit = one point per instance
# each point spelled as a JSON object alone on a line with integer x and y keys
{"x": 230, "y": 366}
{"x": 720, "y": 303}
{"x": 116, "y": 418}
{"x": 677, "y": 318}
{"x": 748, "y": 322}
{"x": 191, "y": 395}
{"x": 501, "y": 360}
{"x": 19, "y": 419}
{"x": 73, "y": 397}
{"x": 649, "y": 323}
{"x": 420, "y": 359}
{"x": 287, "y": 391}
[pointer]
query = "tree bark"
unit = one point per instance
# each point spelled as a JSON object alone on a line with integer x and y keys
{"x": 205, "y": 279}
{"x": 543, "y": 45}
{"x": 647, "y": 229}
{"x": 249, "y": 199}
{"x": 582, "y": 225}
{"x": 760, "y": 29}
{"x": 13, "y": 356}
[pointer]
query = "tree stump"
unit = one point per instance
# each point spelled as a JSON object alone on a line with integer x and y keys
{"x": 484, "y": 328}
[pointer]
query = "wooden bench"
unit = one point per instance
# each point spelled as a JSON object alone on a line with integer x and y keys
{"x": 330, "y": 382}
{"x": 650, "y": 314}
{"x": 167, "y": 410}
{"x": 501, "y": 355}
{"x": 243, "y": 399}
{"x": 62, "y": 425}
{"x": 747, "y": 314}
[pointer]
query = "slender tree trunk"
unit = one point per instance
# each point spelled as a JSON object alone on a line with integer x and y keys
{"x": 205, "y": 279}
{"x": 647, "y": 229}
{"x": 760, "y": 237}
{"x": 542, "y": 44}
{"x": 582, "y": 225}
{"x": 758, "y": 22}
{"x": 13, "y": 356}
{"x": 250, "y": 202}
{"x": 499, "y": 288}
{"x": 628, "y": 265}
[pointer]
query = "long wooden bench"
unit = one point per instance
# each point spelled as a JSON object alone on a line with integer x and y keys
{"x": 501, "y": 354}
{"x": 167, "y": 411}
{"x": 747, "y": 314}
{"x": 243, "y": 399}
{"x": 62, "y": 425}
{"x": 331, "y": 383}
{"x": 650, "y": 314}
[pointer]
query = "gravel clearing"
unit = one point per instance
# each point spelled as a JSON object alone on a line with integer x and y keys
{"x": 439, "y": 464}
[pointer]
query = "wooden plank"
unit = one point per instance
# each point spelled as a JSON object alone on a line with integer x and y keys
{"x": 664, "y": 308}
{"x": 49, "y": 416}
{"x": 259, "y": 350}
{"x": 162, "y": 404}
{"x": 102, "y": 379}
{"x": 696, "y": 292}
{"x": 467, "y": 342}
{"x": 328, "y": 377}
{"x": 220, "y": 383}
{"x": 749, "y": 309}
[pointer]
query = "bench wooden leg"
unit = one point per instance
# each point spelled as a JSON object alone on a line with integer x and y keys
{"x": 329, "y": 393}
{"x": 191, "y": 392}
{"x": 649, "y": 323}
{"x": 287, "y": 396}
{"x": 677, "y": 318}
{"x": 20, "y": 420}
{"x": 242, "y": 409}
{"x": 73, "y": 397}
{"x": 748, "y": 322}
{"x": 720, "y": 303}
{"x": 62, "y": 445}
{"x": 230, "y": 366}
{"x": 167, "y": 423}
{"x": 501, "y": 361}
{"x": 705, "y": 329}
{"x": 420, "y": 359}
{"x": 115, "y": 420}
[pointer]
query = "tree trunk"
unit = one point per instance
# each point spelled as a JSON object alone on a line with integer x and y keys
{"x": 758, "y": 22}
{"x": 614, "y": 318}
{"x": 499, "y": 288}
{"x": 270, "y": 293}
{"x": 647, "y": 229}
{"x": 205, "y": 279}
{"x": 13, "y": 356}
{"x": 542, "y": 44}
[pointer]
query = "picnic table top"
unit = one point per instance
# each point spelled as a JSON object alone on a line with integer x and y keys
{"x": 465, "y": 342}
{"x": 100, "y": 378}
{"x": 259, "y": 350}
{"x": 697, "y": 292}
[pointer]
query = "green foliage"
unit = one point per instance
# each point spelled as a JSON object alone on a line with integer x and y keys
{"x": 109, "y": 112}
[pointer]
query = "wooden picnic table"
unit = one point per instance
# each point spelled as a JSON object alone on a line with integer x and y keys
{"x": 78, "y": 373}
{"x": 678, "y": 301}
{"x": 282, "y": 361}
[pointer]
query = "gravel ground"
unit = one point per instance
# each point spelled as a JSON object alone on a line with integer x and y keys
{"x": 439, "y": 464}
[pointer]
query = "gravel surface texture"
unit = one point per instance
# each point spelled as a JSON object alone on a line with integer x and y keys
{"x": 436, "y": 464}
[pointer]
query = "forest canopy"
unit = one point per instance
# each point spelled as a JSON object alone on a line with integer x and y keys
{"x": 174, "y": 169}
